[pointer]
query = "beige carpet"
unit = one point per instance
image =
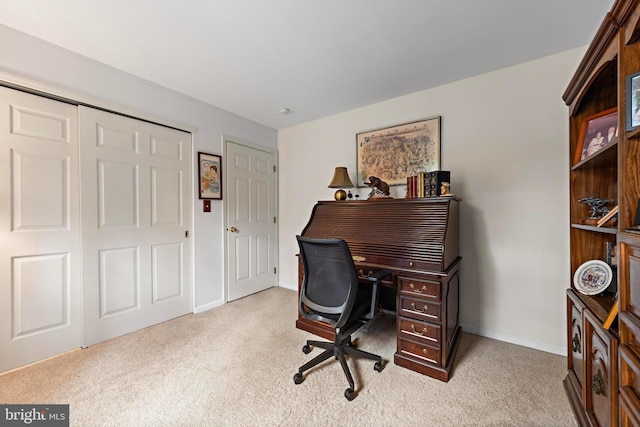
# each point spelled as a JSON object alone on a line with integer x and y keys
{"x": 234, "y": 366}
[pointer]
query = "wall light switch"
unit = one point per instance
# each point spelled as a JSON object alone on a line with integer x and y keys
{"x": 206, "y": 206}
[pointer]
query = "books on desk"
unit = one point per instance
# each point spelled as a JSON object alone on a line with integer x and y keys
{"x": 429, "y": 184}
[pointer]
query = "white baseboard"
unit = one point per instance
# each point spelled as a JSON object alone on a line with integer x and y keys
{"x": 525, "y": 342}
{"x": 288, "y": 286}
{"x": 208, "y": 306}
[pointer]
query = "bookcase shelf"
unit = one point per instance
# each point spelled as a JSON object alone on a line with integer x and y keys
{"x": 603, "y": 229}
{"x": 606, "y": 158}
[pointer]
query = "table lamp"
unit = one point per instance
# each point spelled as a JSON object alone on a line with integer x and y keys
{"x": 341, "y": 180}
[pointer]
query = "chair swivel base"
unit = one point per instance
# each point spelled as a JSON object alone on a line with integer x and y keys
{"x": 338, "y": 350}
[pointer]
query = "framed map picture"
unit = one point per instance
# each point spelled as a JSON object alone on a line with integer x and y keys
{"x": 394, "y": 153}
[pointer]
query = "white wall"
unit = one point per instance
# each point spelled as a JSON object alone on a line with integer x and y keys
{"x": 39, "y": 61}
{"x": 505, "y": 141}
{"x": 504, "y": 138}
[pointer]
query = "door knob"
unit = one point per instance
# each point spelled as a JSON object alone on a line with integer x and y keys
{"x": 233, "y": 230}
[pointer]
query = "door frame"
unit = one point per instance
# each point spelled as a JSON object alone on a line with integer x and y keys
{"x": 228, "y": 139}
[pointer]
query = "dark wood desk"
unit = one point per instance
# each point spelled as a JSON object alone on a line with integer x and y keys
{"x": 419, "y": 240}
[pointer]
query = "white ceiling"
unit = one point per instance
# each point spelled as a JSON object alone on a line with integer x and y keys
{"x": 316, "y": 57}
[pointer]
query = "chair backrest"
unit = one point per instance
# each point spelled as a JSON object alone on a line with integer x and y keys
{"x": 330, "y": 284}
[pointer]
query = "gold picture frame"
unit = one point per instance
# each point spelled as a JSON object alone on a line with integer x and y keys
{"x": 594, "y": 134}
{"x": 394, "y": 153}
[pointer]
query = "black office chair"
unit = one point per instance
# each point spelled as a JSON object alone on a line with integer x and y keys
{"x": 331, "y": 294}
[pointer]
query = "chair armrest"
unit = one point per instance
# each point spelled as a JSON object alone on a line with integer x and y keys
{"x": 379, "y": 275}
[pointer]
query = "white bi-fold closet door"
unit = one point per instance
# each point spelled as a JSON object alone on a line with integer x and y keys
{"x": 95, "y": 214}
{"x": 136, "y": 221}
{"x": 40, "y": 294}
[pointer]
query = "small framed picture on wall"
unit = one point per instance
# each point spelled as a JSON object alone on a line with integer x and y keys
{"x": 210, "y": 176}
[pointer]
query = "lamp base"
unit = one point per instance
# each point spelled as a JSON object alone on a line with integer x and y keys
{"x": 340, "y": 195}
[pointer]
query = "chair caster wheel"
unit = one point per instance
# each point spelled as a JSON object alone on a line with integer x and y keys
{"x": 298, "y": 378}
{"x": 306, "y": 349}
{"x": 378, "y": 367}
{"x": 350, "y": 394}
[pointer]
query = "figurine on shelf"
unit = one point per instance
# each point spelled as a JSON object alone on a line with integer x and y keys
{"x": 380, "y": 189}
{"x": 375, "y": 182}
{"x": 445, "y": 190}
{"x": 597, "y": 209}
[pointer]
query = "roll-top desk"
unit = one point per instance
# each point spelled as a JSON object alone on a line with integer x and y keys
{"x": 419, "y": 240}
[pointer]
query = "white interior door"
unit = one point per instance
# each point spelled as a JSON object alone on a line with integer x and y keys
{"x": 251, "y": 219}
{"x": 40, "y": 310}
{"x": 136, "y": 207}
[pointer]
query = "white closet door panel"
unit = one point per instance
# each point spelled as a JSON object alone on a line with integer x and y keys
{"x": 118, "y": 193}
{"x": 40, "y": 297}
{"x": 166, "y": 196}
{"x": 167, "y": 272}
{"x": 136, "y": 212}
{"x": 40, "y": 290}
{"x": 118, "y": 281}
{"x": 40, "y": 181}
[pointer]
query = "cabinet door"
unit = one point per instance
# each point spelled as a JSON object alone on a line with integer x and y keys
{"x": 629, "y": 265}
{"x": 628, "y": 413}
{"x": 629, "y": 365}
{"x": 629, "y": 320}
{"x": 600, "y": 386}
{"x": 575, "y": 358}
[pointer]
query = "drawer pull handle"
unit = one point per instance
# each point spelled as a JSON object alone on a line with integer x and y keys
{"x": 413, "y": 306}
{"x": 413, "y": 288}
{"x": 424, "y": 350}
{"x": 423, "y": 332}
{"x": 598, "y": 383}
{"x": 575, "y": 344}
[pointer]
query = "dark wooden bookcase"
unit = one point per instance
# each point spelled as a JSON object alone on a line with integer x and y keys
{"x": 603, "y": 379}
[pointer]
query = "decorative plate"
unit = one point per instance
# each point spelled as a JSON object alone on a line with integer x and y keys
{"x": 592, "y": 277}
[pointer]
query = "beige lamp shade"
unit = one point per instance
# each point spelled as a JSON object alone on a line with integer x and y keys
{"x": 341, "y": 180}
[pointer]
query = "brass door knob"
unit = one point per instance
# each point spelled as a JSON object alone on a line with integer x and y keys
{"x": 233, "y": 230}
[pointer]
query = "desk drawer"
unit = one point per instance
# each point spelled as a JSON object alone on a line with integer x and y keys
{"x": 425, "y": 333}
{"x": 419, "y": 309}
{"x": 364, "y": 272}
{"x": 421, "y": 288}
{"x": 418, "y": 351}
